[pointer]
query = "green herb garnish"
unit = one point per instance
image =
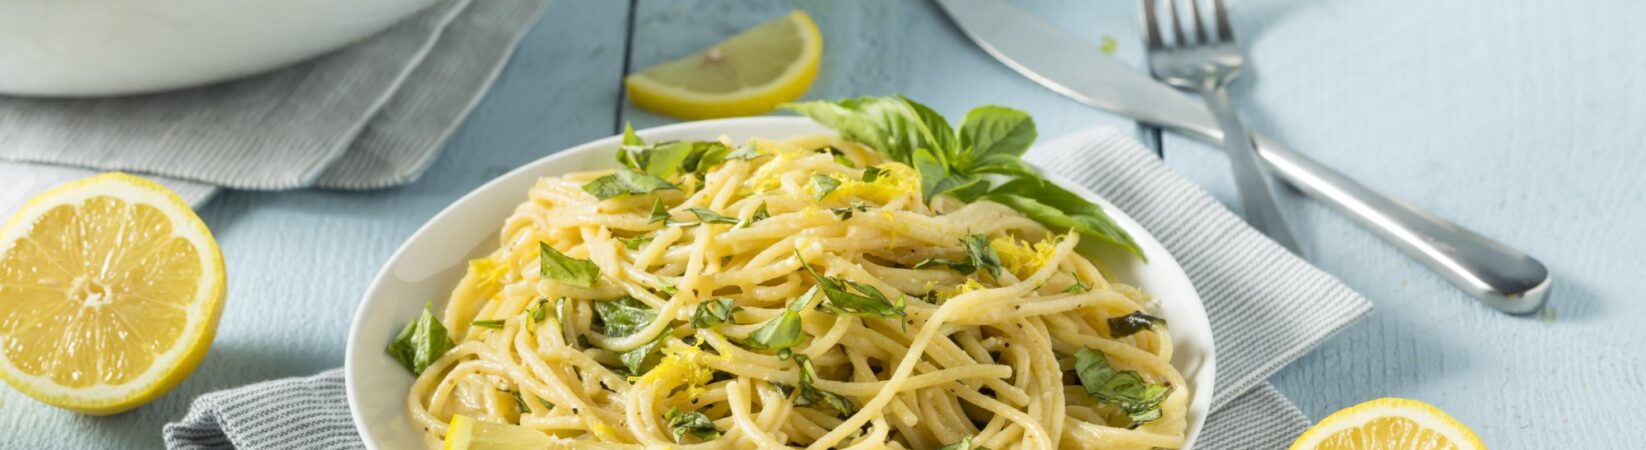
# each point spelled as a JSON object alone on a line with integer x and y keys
{"x": 846, "y": 212}
{"x": 492, "y": 324}
{"x": 806, "y": 394}
{"x": 990, "y": 141}
{"x": 639, "y": 360}
{"x": 706, "y": 215}
{"x": 626, "y": 182}
{"x": 746, "y": 152}
{"x": 693, "y": 422}
{"x": 565, "y": 269}
{"x": 822, "y": 185}
{"x": 1130, "y": 324}
{"x": 872, "y": 173}
{"x": 1077, "y": 287}
{"x": 866, "y": 301}
{"x": 421, "y": 342}
{"x": 782, "y": 331}
{"x": 1125, "y": 388}
{"x": 713, "y": 312}
{"x": 636, "y": 242}
{"x": 964, "y": 444}
{"x": 978, "y": 255}
{"x": 760, "y": 213}
{"x": 624, "y": 316}
{"x": 539, "y": 310}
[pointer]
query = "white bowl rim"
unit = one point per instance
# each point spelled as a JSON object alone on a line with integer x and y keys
{"x": 1202, "y": 378}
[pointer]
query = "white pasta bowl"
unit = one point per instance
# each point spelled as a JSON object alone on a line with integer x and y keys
{"x": 431, "y": 262}
{"x": 107, "y": 47}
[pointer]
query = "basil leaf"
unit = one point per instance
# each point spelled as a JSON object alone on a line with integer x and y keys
{"x": 996, "y": 130}
{"x": 748, "y": 151}
{"x": 931, "y": 170}
{"x": 872, "y": 173}
{"x": 636, "y": 242}
{"x": 629, "y": 138}
{"x": 1052, "y": 205}
{"x": 492, "y": 324}
{"x": 822, "y": 185}
{"x": 806, "y": 394}
{"x": 704, "y": 156}
{"x": 640, "y": 360}
{"x": 706, "y": 215}
{"x": 963, "y": 187}
{"x": 839, "y": 156}
{"x": 421, "y": 342}
{"x": 1005, "y": 165}
{"x": 964, "y": 444}
{"x": 1130, "y": 324}
{"x": 867, "y": 301}
{"x": 934, "y": 129}
{"x": 561, "y": 309}
{"x": 659, "y": 213}
{"x": 760, "y": 213}
{"x": 631, "y": 152}
{"x": 667, "y": 159}
{"x": 846, "y": 212}
{"x": 565, "y": 269}
{"x": 665, "y": 286}
{"x": 626, "y": 182}
{"x": 979, "y": 254}
{"x": 713, "y": 312}
{"x": 888, "y": 124}
{"x": 539, "y": 311}
{"x": 623, "y": 317}
{"x": 692, "y": 422}
{"x": 1124, "y": 389}
{"x": 782, "y": 331}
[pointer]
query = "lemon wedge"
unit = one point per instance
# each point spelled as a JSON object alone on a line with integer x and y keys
{"x": 747, "y": 74}
{"x": 1389, "y": 424}
{"x": 465, "y": 433}
{"x": 110, "y": 289}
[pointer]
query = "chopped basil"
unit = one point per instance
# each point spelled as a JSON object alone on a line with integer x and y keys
{"x": 839, "y": 156}
{"x": 693, "y": 422}
{"x": 964, "y": 444}
{"x": 1123, "y": 388}
{"x": 806, "y": 394}
{"x": 661, "y": 214}
{"x": 713, "y": 312}
{"x": 623, "y": 317}
{"x": 636, "y": 242}
{"x": 640, "y": 360}
{"x": 492, "y": 324}
{"x": 665, "y": 286}
{"x": 872, "y": 173}
{"x": 1132, "y": 323}
{"x": 846, "y": 212}
{"x": 626, "y": 182}
{"x": 1077, "y": 287}
{"x": 782, "y": 331}
{"x": 565, "y": 269}
{"x": 421, "y": 342}
{"x": 980, "y": 254}
{"x": 538, "y": 311}
{"x": 746, "y": 152}
{"x": 707, "y": 215}
{"x": 867, "y": 301}
{"x": 760, "y": 213}
{"x": 520, "y": 402}
{"x": 822, "y": 185}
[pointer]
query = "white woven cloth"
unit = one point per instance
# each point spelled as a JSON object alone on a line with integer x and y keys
{"x": 371, "y": 115}
{"x": 1267, "y": 307}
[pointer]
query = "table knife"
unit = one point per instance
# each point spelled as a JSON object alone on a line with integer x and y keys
{"x": 1496, "y": 274}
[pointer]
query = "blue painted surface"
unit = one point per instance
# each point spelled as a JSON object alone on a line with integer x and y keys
{"x": 1522, "y": 120}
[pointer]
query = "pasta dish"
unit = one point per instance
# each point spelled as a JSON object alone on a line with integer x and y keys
{"x": 811, "y": 292}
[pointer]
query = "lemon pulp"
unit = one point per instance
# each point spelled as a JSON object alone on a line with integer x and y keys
{"x": 1389, "y": 424}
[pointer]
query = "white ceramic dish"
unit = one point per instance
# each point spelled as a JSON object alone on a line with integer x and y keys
{"x": 430, "y": 263}
{"x": 104, "y": 47}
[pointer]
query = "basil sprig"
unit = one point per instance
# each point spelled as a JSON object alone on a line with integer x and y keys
{"x": 990, "y": 141}
{"x": 1124, "y": 389}
{"x": 783, "y": 331}
{"x": 806, "y": 395}
{"x": 979, "y": 255}
{"x": 422, "y": 341}
{"x": 866, "y": 301}
{"x": 626, "y": 182}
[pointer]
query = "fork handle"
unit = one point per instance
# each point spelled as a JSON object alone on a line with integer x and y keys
{"x": 1497, "y": 275}
{"x": 1257, "y": 200}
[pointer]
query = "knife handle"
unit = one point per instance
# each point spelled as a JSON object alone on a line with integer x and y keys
{"x": 1497, "y": 275}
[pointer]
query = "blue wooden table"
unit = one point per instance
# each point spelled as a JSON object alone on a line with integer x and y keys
{"x": 1524, "y": 120}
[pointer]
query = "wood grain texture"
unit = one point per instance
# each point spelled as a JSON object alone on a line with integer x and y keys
{"x": 1521, "y": 120}
{"x": 298, "y": 262}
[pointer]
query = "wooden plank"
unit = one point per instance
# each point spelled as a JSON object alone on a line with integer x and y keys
{"x": 890, "y": 47}
{"x": 1521, "y": 120}
{"x": 299, "y": 261}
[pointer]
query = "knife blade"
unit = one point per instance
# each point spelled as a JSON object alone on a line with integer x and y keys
{"x": 1496, "y": 274}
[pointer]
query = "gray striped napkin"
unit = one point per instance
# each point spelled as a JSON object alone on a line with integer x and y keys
{"x": 371, "y": 115}
{"x": 1266, "y": 306}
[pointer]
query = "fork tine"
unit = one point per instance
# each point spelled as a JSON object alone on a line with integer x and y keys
{"x": 1177, "y": 25}
{"x": 1199, "y": 31}
{"x": 1151, "y": 31}
{"x": 1225, "y": 33}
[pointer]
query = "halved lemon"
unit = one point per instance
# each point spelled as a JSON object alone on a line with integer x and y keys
{"x": 465, "y": 433}
{"x": 748, "y": 74}
{"x": 1389, "y": 424}
{"x": 110, "y": 289}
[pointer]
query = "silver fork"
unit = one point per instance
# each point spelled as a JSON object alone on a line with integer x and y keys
{"x": 1208, "y": 66}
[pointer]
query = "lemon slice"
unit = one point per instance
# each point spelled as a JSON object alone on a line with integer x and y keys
{"x": 747, "y": 74}
{"x": 110, "y": 289}
{"x": 1389, "y": 424}
{"x": 465, "y": 433}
